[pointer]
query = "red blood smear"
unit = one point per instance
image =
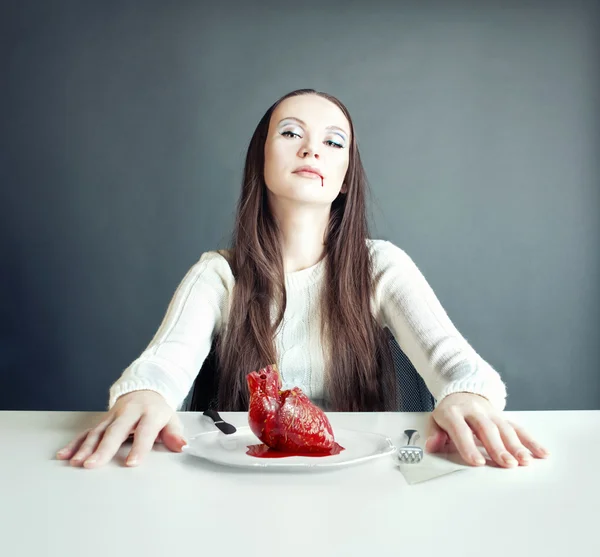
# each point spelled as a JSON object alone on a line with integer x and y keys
{"x": 321, "y": 181}
{"x": 264, "y": 451}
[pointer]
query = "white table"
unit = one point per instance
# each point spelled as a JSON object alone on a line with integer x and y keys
{"x": 177, "y": 504}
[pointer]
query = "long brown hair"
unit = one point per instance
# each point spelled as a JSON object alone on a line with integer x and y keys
{"x": 358, "y": 368}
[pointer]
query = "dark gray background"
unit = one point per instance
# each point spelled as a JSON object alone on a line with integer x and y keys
{"x": 125, "y": 126}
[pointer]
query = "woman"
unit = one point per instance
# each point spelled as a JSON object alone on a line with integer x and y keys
{"x": 304, "y": 287}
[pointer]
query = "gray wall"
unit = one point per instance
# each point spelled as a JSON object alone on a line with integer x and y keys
{"x": 125, "y": 127}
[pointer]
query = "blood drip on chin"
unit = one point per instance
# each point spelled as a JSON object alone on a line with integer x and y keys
{"x": 321, "y": 181}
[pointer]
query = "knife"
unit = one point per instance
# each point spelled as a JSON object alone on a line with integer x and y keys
{"x": 225, "y": 427}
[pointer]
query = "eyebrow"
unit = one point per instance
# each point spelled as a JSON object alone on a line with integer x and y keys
{"x": 301, "y": 122}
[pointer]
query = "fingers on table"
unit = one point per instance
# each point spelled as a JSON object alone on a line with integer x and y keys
{"x": 144, "y": 437}
{"x": 461, "y": 435}
{"x": 488, "y": 432}
{"x": 529, "y": 442}
{"x": 67, "y": 452}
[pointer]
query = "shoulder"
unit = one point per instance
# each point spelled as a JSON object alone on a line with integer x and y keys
{"x": 383, "y": 251}
{"x": 214, "y": 264}
{"x": 215, "y": 257}
{"x": 389, "y": 261}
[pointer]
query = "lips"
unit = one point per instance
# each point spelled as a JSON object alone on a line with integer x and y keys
{"x": 308, "y": 170}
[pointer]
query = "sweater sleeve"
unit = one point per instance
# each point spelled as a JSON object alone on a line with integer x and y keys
{"x": 197, "y": 311}
{"x": 406, "y": 304}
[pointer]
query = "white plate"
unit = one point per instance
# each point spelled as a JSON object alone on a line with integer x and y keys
{"x": 230, "y": 450}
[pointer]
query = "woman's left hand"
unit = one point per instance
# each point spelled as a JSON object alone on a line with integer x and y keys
{"x": 460, "y": 417}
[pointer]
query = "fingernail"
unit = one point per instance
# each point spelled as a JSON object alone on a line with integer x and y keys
{"x": 508, "y": 459}
{"x": 62, "y": 452}
{"x": 524, "y": 456}
{"x": 132, "y": 461}
{"x": 478, "y": 459}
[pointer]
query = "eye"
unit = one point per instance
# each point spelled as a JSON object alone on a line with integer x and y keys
{"x": 334, "y": 144}
{"x": 289, "y": 133}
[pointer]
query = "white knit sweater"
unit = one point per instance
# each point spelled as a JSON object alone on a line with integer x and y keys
{"x": 403, "y": 301}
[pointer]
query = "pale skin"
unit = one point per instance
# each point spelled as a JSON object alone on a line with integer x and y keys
{"x": 305, "y": 130}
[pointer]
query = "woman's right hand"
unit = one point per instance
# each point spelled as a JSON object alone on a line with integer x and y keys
{"x": 146, "y": 414}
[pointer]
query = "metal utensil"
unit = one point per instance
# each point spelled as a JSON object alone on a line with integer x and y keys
{"x": 410, "y": 453}
{"x": 225, "y": 427}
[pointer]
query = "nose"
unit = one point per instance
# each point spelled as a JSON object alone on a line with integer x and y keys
{"x": 307, "y": 150}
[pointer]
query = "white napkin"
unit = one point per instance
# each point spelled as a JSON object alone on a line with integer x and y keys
{"x": 433, "y": 465}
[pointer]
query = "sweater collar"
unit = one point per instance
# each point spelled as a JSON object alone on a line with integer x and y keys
{"x": 305, "y": 277}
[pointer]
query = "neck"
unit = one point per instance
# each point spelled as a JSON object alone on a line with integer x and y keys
{"x": 302, "y": 235}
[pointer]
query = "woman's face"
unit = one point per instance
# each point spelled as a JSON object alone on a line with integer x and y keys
{"x": 307, "y": 131}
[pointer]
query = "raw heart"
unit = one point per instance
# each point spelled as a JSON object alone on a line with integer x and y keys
{"x": 287, "y": 422}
